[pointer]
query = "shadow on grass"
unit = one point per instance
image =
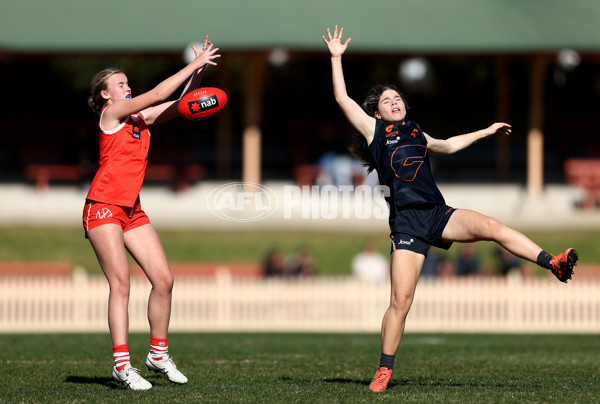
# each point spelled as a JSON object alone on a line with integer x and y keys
{"x": 103, "y": 381}
{"x": 424, "y": 383}
{"x": 454, "y": 383}
{"x": 361, "y": 382}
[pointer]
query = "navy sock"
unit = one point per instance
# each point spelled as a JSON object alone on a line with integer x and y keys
{"x": 544, "y": 258}
{"x": 387, "y": 361}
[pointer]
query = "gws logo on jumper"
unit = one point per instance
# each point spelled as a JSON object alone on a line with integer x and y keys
{"x": 407, "y": 160}
{"x": 389, "y": 132}
{"x": 203, "y": 104}
{"x": 103, "y": 213}
{"x": 242, "y": 201}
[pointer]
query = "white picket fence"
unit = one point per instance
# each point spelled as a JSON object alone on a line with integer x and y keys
{"x": 516, "y": 305}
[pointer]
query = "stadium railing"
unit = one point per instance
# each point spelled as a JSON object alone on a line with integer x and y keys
{"x": 78, "y": 303}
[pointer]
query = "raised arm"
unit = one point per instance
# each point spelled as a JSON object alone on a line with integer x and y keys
{"x": 361, "y": 121}
{"x": 460, "y": 142}
{"x": 147, "y": 102}
{"x": 196, "y": 78}
{"x": 168, "y": 110}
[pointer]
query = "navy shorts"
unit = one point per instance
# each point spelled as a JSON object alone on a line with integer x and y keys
{"x": 419, "y": 228}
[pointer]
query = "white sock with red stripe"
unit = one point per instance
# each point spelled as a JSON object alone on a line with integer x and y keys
{"x": 159, "y": 348}
{"x": 121, "y": 356}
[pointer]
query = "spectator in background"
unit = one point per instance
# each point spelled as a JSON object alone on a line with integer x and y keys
{"x": 432, "y": 266}
{"x": 370, "y": 265}
{"x": 274, "y": 264}
{"x": 468, "y": 263}
{"x": 300, "y": 264}
{"x": 339, "y": 169}
{"x": 507, "y": 262}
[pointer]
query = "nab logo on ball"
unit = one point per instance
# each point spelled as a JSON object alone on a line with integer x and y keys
{"x": 202, "y": 103}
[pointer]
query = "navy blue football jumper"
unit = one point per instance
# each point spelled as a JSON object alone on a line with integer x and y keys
{"x": 417, "y": 208}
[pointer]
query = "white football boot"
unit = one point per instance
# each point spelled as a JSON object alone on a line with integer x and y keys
{"x": 167, "y": 367}
{"x": 131, "y": 378}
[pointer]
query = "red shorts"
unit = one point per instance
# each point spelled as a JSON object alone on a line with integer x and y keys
{"x": 98, "y": 213}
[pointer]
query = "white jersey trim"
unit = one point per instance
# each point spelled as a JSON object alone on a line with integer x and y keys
{"x": 118, "y": 128}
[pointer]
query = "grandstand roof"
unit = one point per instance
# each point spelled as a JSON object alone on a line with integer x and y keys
{"x": 487, "y": 26}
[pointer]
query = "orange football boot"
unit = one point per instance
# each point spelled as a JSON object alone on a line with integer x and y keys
{"x": 380, "y": 380}
{"x": 562, "y": 264}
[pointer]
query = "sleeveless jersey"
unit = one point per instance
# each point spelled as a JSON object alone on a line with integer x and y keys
{"x": 402, "y": 158}
{"x": 123, "y": 160}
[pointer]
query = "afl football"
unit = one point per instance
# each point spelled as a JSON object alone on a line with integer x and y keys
{"x": 202, "y": 103}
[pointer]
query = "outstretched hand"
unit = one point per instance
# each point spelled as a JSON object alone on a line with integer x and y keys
{"x": 334, "y": 43}
{"x": 207, "y": 44}
{"x": 207, "y": 54}
{"x": 499, "y": 128}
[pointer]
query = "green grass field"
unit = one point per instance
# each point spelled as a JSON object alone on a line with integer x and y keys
{"x": 308, "y": 368}
{"x": 333, "y": 251}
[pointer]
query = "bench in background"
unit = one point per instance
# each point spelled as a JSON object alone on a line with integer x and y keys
{"x": 181, "y": 176}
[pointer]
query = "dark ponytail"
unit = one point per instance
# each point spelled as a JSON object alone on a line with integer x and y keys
{"x": 360, "y": 149}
